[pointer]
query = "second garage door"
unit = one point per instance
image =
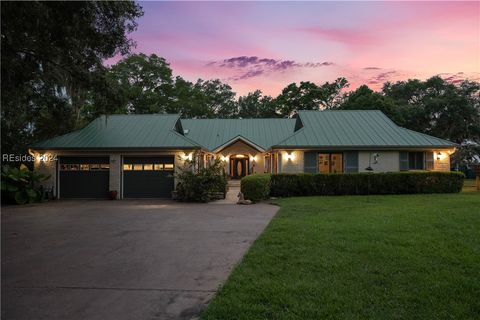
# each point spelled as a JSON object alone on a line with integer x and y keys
{"x": 148, "y": 177}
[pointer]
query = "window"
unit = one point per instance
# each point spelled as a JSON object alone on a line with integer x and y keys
{"x": 330, "y": 162}
{"x": 158, "y": 166}
{"x": 127, "y": 167}
{"x": 415, "y": 161}
{"x": 266, "y": 163}
{"x": 138, "y": 167}
{"x": 148, "y": 167}
{"x": 168, "y": 166}
{"x": 84, "y": 167}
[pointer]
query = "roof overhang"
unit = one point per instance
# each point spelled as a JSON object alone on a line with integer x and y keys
{"x": 351, "y": 148}
{"x": 119, "y": 149}
{"x": 236, "y": 139}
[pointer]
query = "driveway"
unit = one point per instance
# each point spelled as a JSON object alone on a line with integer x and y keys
{"x": 121, "y": 259}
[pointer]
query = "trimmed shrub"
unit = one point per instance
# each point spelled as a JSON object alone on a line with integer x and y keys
{"x": 256, "y": 187}
{"x": 306, "y": 184}
{"x": 199, "y": 184}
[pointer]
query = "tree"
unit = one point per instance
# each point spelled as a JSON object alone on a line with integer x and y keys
{"x": 49, "y": 50}
{"x": 309, "y": 96}
{"x": 218, "y": 98}
{"x": 189, "y": 100}
{"x": 437, "y": 107}
{"x": 146, "y": 83}
{"x": 256, "y": 105}
{"x": 365, "y": 98}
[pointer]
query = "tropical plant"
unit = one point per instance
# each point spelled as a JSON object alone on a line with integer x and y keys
{"x": 21, "y": 184}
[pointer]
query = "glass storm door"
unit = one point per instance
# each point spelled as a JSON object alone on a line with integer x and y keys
{"x": 324, "y": 162}
{"x": 330, "y": 162}
{"x": 336, "y": 163}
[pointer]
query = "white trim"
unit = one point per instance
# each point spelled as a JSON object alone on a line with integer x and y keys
{"x": 238, "y": 138}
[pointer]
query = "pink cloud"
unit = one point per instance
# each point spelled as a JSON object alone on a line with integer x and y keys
{"x": 346, "y": 36}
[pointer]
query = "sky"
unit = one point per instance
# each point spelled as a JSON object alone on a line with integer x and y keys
{"x": 268, "y": 45}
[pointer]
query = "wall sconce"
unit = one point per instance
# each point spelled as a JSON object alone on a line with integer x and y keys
{"x": 187, "y": 156}
{"x": 224, "y": 159}
{"x": 290, "y": 156}
{"x": 43, "y": 157}
{"x": 440, "y": 156}
{"x": 253, "y": 158}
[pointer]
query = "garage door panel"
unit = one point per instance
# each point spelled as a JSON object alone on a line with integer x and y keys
{"x": 148, "y": 177}
{"x": 147, "y": 184}
{"x": 84, "y": 177}
{"x": 79, "y": 184}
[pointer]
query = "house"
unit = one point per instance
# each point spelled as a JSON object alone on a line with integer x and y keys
{"x": 136, "y": 155}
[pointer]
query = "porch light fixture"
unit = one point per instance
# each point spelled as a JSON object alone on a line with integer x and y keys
{"x": 290, "y": 156}
{"x": 440, "y": 156}
{"x": 253, "y": 158}
{"x": 240, "y": 156}
{"x": 224, "y": 159}
{"x": 187, "y": 156}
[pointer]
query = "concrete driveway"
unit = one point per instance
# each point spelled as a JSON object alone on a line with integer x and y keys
{"x": 121, "y": 259}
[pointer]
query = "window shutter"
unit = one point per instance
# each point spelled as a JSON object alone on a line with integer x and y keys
{"x": 351, "y": 161}
{"x": 428, "y": 160}
{"x": 403, "y": 161}
{"x": 310, "y": 162}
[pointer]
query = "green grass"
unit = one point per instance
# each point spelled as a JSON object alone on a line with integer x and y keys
{"x": 361, "y": 257}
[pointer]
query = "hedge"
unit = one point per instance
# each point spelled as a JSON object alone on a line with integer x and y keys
{"x": 256, "y": 187}
{"x": 306, "y": 184}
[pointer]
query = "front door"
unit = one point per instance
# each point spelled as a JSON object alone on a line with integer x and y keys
{"x": 238, "y": 167}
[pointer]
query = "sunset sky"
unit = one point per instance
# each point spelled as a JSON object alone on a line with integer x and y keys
{"x": 267, "y": 45}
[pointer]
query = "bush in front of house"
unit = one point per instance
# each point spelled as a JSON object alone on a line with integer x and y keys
{"x": 256, "y": 187}
{"x": 21, "y": 185}
{"x": 199, "y": 184}
{"x": 305, "y": 184}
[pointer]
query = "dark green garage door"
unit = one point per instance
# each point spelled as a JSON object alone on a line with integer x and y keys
{"x": 84, "y": 177}
{"x": 148, "y": 177}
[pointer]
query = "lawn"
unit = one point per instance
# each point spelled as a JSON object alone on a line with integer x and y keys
{"x": 361, "y": 257}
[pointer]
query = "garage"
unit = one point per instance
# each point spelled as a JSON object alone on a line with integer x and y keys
{"x": 84, "y": 177}
{"x": 148, "y": 177}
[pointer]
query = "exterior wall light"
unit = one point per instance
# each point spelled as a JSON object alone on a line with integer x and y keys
{"x": 187, "y": 156}
{"x": 253, "y": 158}
{"x": 290, "y": 156}
{"x": 224, "y": 159}
{"x": 440, "y": 156}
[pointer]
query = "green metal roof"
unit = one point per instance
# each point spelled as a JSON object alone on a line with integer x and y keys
{"x": 123, "y": 132}
{"x": 213, "y": 133}
{"x": 356, "y": 129}
{"x": 321, "y": 129}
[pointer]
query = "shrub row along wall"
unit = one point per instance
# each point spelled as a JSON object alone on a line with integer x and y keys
{"x": 305, "y": 184}
{"x": 256, "y": 187}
